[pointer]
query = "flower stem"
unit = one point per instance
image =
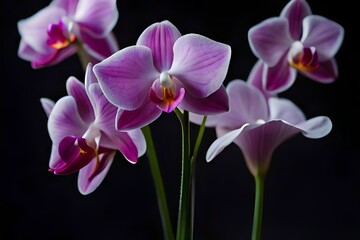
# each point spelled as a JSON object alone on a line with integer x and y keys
{"x": 258, "y": 209}
{"x": 184, "y": 225}
{"x": 193, "y": 161}
{"x": 82, "y": 54}
{"x": 159, "y": 186}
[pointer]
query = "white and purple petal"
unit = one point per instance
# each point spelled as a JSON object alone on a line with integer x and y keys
{"x": 76, "y": 89}
{"x": 127, "y": 76}
{"x": 142, "y": 116}
{"x": 96, "y": 17}
{"x": 201, "y": 64}
{"x": 216, "y": 103}
{"x": 270, "y": 40}
{"x": 93, "y": 174}
{"x": 65, "y": 120}
{"x": 295, "y": 11}
{"x": 279, "y": 78}
{"x": 324, "y": 34}
{"x": 160, "y": 38}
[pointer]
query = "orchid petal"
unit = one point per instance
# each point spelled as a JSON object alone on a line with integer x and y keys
{"x": 97, "y": 17}
{"x": 216, "y": 103}
{"x": 55, "y": 159}
{"x": 284, "y": 109}
{"x": 220, "y": 143}
{"x": 90, "y": 77}
{"x": 258, "y": 142}
{"x": 270, "y": 39}
{"x": 105, "y": 112}
{"x": 247, "y": 105}
{"x": 324, "y": 34}
{"x": 138, "y": 138}
{"x": 295, "y": 11}
{"x": 160, "y": 38}
{"x": 68, "y": 5}
{"x": 317, "y": 127}
{"x": 327, "y": 72}
{"x": 88, "y": 179}
{"x": 65, "y": 120}
{"x": 201, "y": 64}
{"x": 100, "y": 48}
{"x": 76, "y": 89}
{"x": 125, "y": 145}
{"x": 144, "y": 115}
{"x": 33, "y": 30}
{"x": 71, "y": 150}
{"x": 256, "y": 79}
{"x": 126, "y": 76}
{"x": 47, "y": 104}
{"x": 279, "y": 77}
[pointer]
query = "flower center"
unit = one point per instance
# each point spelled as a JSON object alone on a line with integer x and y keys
{"x": 167, "y": 85}
{"x": 303, "y": 58}
{"x": 60, "y": 35}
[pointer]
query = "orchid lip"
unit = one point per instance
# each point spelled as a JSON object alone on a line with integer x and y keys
{"x": 60, "y": 34}
{"x": 303, "y": 58}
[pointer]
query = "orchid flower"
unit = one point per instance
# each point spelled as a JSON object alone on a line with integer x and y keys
{"x": 81, "y": 127}
{"x": 65, "y": 27}
{"x": 165, "y": 70}
{"x": 258, "y": 126}
{"x": 296, "y": 41}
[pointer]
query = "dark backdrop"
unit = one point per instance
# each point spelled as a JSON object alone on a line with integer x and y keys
{"x": 311, "y": 191}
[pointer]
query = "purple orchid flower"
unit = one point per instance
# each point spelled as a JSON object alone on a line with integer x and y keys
{"x": 258, "y": 126}
{"x": 297, "y": 41}
{"x": 81, "y": 127}
{"x": 165, "y": 70}
{"x": 65, "y": 27}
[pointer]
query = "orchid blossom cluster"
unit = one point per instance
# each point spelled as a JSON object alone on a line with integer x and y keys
{"x": 125, "y": 90}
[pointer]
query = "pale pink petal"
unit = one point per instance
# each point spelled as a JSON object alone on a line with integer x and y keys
{"x": 316, "y": 127}
{"x": 87, "y": 180}
{"x": 47, "y": 104}
{"x": 214, "y": 104}
{"x": 201, "y": 64}
{"x": 295, "y": 11}
{"x": 258, "y": 143}
{"x": 76, "y": 89}
{"x": 65, "y": 120}
{"x": 138, "y": 138}
{"x": 326, "y": 73}
{"x": 99, "y": 48}
{"x": 160, "y": 38}
{"x": 126, "y": 76}
{"x": 256, "y": 79}
{"x": 144, "y": 115}
{"x": 96, "y": 17}
{"x": 270, "y": 40}
{"x": 33, "y": 30}
{"x": 220, "y": 143}
{"x": 247, "y": 105}
{"x": 284, "y": 109}
{"x": 324, "y": 34}
{"x": 279, "y": 78}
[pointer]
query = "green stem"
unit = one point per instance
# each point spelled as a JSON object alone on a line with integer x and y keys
{"x": 258, "y": 209}
{"x": 159, "y": 186}
{"x": 193, "y": 161}
{"x": 83, "y": 55}
{"x": 184, "y": 227}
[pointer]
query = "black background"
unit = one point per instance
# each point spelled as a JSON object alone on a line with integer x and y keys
{"x": 312, "y": 188}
